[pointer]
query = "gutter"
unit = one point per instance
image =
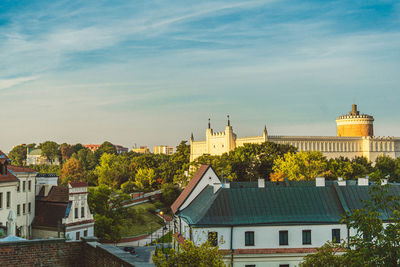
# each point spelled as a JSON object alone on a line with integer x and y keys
{"x": 231, "y": 245}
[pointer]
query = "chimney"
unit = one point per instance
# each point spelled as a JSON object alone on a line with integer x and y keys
{"x": 320, "y": 181}
{"x": 363, "y": 182}
{"x": 341, "y": 181}
{"x": 261, "y": 183}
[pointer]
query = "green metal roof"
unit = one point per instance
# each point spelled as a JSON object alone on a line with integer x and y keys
{"x": 275, "y": 205}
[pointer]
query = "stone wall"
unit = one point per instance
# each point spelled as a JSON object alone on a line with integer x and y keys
{"x": 58, "y": 252}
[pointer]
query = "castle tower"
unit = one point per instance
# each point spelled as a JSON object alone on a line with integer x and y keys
{"x": 354, "y": 124}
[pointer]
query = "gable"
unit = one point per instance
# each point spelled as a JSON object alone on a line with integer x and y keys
{"x": 203, "y": 177}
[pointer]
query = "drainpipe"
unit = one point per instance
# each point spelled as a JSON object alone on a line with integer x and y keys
{"x": 231, "y": 245}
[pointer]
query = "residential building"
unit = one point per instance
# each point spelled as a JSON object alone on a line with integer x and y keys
{"x": 120, "y": 149}
{"x": 169, "y": 150}
{"x": 266, "y": 223}
{"x": 141, "y": 150}
{"x": 355, "y": 137}
{"x": 34, "y": 157}
{"x": 17, "y": 193}
{"x": 63, "y": 212}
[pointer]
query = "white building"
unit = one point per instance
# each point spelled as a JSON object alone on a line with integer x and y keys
{"x": 63, "y": 212}
{"x": 17, "y": 193}
{"x": 265, "y": 223}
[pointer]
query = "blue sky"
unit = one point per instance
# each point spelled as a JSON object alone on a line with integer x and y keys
{"x": 152, "y": 72}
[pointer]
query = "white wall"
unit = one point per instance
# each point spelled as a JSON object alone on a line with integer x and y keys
{"x": 209, "y": 178}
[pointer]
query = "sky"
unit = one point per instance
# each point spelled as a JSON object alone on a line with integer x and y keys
{"x": 152, "y": 72}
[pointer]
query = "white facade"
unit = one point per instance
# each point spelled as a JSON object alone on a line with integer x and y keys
{"x": 21, "y": 196}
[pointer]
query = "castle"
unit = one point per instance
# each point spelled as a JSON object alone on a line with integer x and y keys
{"x": 355, "y": 137}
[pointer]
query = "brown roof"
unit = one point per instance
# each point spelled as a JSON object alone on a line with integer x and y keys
{"x": 188, "y": 189}
{"x": 49, "y": 214}
{"x": 20, "y": 169}
{"x": 179, "y": 238}
{"x": 57, "y": 194}
{"x": 78, "y": 184}
{"x": 9, "y": 177}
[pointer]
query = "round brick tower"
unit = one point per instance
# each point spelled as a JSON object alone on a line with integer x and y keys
{"x": 354, "y": 124}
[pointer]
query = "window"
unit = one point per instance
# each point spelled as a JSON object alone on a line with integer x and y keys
{"x": 250, "y": 265}
{"x": 1, "y": 200}
{"x": 78, "y": 235}
{"x": 85, "y": 233}
{"x": 29, "y": 207}
{"x": 82, "y": 212}
{"x": 336, "y": 235}
{"x": 29, "y": 185}
{"x": 306, "y": 237}
{"x": 249, "y": 238}
{"x": 23, "y": 186}
{"x": 213, "y": 238}
{"x": 283, "y": 265}
{"x": 18, "y": 209}
{"x": 8, "y": 200}
{"x": 283, "y": 238}
{"x": 18, "y": 186}
{"x": 23, "y": 208}
{"x": 76, "y": 213}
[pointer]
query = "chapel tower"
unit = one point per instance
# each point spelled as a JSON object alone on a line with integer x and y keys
{"x": 355, "y": 124}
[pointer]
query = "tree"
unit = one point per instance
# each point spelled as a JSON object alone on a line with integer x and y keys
{"x": 66, "y": 151}
{"x": 373, "y": 244}
{"x": 106, "y": 147}
{"x": 169, "y": 193}
{"x": 386, "y": 166}
{"x": 113, "y": 170}
{"x": 145, "y": 178}
{"x": 304, "y": 165}
{"x": 50, "y": 150}
{"x": 189, "y": 254}
{"x": 109, "y": 213}
{"x": 86, "y": 157}
{"x": 128, "y": 187}
{"x": 18, "y": 155}
{"x": 71, "y": 171}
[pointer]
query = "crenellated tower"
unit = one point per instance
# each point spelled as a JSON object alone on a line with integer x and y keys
{"x": 355, "y": 124}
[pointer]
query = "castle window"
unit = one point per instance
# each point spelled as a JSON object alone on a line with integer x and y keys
{"x": 283, "y": 238}
{"x": 29, "y": 185}
{"x": 76, "y": 213}
{"x": 29, "y": 207}
{"x": 23, "y": 186}
{"x": 18, "y": 209}
{"x": 8, "y": 200}
{"x": 306, "y": 237}
{"x": 249, "y": 238}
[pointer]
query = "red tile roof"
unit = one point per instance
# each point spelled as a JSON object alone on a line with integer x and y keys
{"x": 9, "y": 177}
{"x": 57, "y": 194}
{"x": 188, "y": 189}
{"x": 3, "y": 157}
{"x": 20, "y": 169}
{"x": 78, "y": 184}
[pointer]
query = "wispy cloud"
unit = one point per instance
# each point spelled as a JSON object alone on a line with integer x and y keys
{"x": 7, "y": 83}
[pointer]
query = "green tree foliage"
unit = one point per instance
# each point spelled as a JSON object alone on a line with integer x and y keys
{"x": 113, "y": 170}
{"x": 348, "y": 169}
{"x": 169, "y": 192}
{"x": 66, "y": 151}
{"x": 106, "y": 147}
{"x": 128, "y": 187}
{"x": 86, "y": 157}
{"x": 304, "y": 165}
{"x": 190, "y": 255}
{"x": 47, "y": 168}
{"x": 388, "y": 167}
{"x": 18, "y": 155}
{"x": 107, "y": 206}
{"x": 145, "y": 178}
{"x": 71, "y": 171}
{"x": 50, "y": 150}
{"x": 373, "y": 243}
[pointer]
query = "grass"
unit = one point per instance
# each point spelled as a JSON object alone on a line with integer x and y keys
{"x": 167, "y": 238}
{"x": 142, "y": 225}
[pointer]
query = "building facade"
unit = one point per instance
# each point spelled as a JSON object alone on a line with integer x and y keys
{"x": 354, "y": 139}
{"x": 34, "y": 157}
{"x": 168, "y": 150}
{"x": 269, "y": 224}
{"x": 17, "y": 194}
{"x": 63, "y": 212}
